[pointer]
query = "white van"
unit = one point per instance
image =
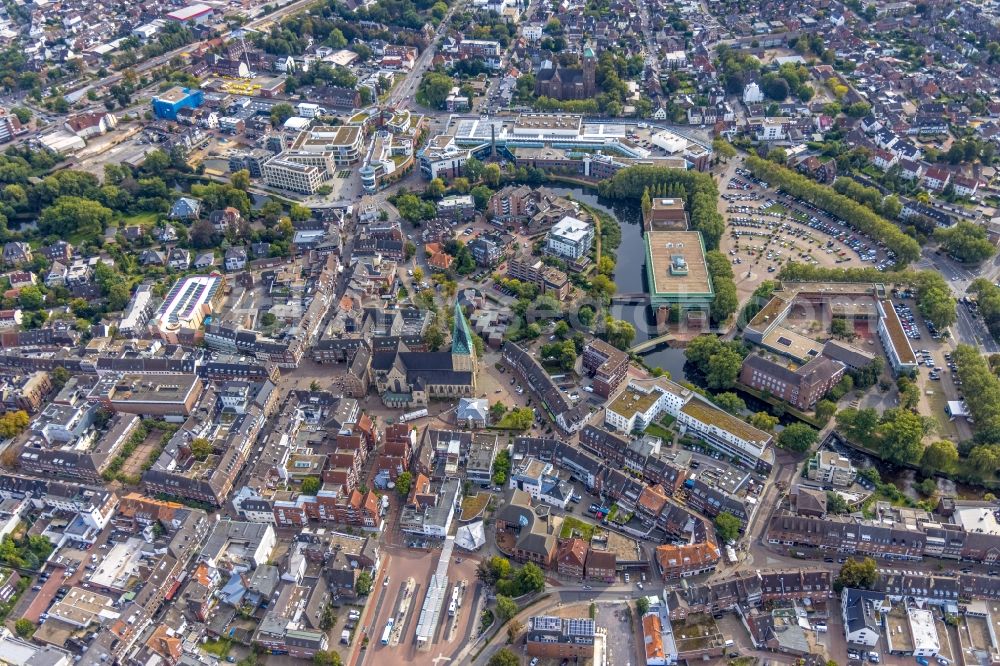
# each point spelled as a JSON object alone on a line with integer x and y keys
{"x": 729, "y": 643}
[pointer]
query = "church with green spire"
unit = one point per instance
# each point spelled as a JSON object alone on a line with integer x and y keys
{"x": 407, "y": 379}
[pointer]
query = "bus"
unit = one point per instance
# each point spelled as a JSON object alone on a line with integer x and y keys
{"x": 388, "y": 631}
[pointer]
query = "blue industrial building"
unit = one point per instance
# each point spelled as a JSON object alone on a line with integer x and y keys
{"x": 167, "y": 105}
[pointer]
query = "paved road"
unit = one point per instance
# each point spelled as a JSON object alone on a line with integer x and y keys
{"x": 968, "y": 329}
{"x": 152, "y": 63}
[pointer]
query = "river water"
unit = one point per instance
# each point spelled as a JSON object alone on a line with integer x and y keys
{"x": 630, "y": 277}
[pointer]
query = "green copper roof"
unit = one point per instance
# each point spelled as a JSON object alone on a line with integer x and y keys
{"x": 588, "y": 52}
{"x": 461, "y": 337}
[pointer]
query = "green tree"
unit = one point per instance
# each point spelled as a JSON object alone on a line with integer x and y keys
{"x": 723, "y": 368}
{"x": 433, "y": 337}
{"x": 24, "y": 627}
{"x": 497, "y": 410}
{"x": 701, "y": 349}
{"x": 727, "y": 526}
{"x": 723, "y": 149}
{"x": 501, "y": 467}
{"x": 858, "y": 574}
{"x": 797, "y": 437}
{"x": 940, "y": 457}
{"x": 31, "y": 298}
{"x": 900, "y": 433}
{"x": 506, "y": 608}
{"x": 505, "y": 657}
{"x": 764, "y": 421}
{"x": 835, "y": 503}
{"x": 241, "y": 180}
{"x": 481, "y": 196}
{"x": 299, "y": 213}
{"x": 602, "y": 288}
{"x": 491, "y": 174}
{"x": 201, "y": 448}
{"x": 825, "y": 409}
{"x": 60, "y": 376}
{"x": 326, "y": 658}
{"x": 966, "y": 242}
{"x": 642, "y": 606}
{"x": 839, "y": 327}
{"x": 530, "y": 578}
{"x": 473, "y": 169}
{"x": 74, "y": 215}
{"x": 310, "y": 485}
{"x": 730, "y": 402}
{"x": 280, "y": 113}
{"x": 363, "y": 585}
{"x": 403, "y": 483}
{"x": 618, "y": 333}
{"x": 434, "y": 89}
{"x": 435, "y": 188}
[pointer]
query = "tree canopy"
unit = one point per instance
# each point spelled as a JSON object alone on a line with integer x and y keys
{"x": 858, "y": 574}
{"x": 863, "y": 219}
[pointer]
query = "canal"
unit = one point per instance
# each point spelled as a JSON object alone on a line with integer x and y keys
{"x": 630, "y": 277}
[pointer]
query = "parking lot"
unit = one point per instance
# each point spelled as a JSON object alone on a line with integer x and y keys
{"x": 767, "y": 228}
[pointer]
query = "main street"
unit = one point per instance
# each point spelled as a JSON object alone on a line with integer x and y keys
{"x": 161, "y": 60}
{"x": 968, "y": 328}
{"x": 406, "y": 90}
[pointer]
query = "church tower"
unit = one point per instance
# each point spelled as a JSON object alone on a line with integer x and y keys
{"x": 589, "y": 73}
{"x": 463, "y": 350}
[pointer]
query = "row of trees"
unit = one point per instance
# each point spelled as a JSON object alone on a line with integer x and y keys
{"x": 697, "y": 189}
{"x": 934, "y": 297}
{"x": 861, "y": 218}
{"x": 988, "y": 297}
{"x": 726, "y": 300}
{"x": 982, "y": 396}
{"x": 888, "y": 207}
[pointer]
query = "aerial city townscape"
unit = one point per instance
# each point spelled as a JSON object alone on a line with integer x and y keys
{"x": 500, "y": 332}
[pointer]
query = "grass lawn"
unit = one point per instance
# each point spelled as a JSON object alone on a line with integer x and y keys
{"x": 220, "y": 647}
{"x": 509, "y": 422}
{"x": 144, "y": 220}
{"x": 473, "y": 506}
{"x": 659, "y": 431}
{"x": 583, "y": 530}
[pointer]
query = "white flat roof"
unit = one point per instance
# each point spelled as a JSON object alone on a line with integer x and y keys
{"x": 925, "y": 636}
{"x": 572, "y": 229}
{"x": 978, "y": 519}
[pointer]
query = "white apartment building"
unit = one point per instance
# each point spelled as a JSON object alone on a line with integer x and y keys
{"x": 570, "y": 238}
{"x": 831, "y": 468}
{"x": 724, "y": 431}
{"x": 643, "y": 402}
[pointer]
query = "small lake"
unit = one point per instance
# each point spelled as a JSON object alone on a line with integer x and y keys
{"x": 630, "y": 277}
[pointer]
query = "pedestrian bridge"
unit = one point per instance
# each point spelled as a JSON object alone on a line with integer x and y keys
{"x": 631, "y": 298}
{"x": 652, "y": 342}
